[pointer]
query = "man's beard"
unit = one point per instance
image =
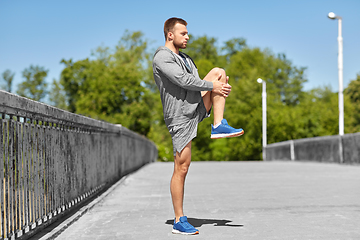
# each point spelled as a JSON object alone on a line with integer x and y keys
{"x": 182, "y": 46}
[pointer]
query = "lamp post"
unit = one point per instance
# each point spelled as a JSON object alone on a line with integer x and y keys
{"x": 264, "y": 139}
{"x": 333, "y": 16}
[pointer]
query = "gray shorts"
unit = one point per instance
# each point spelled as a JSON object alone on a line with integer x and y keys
{"x": 182, "y": 134}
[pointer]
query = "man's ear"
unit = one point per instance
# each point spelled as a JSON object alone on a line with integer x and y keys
{"x": 170, "y": 36}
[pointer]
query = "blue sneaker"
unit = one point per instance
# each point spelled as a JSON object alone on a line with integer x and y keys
{"x": 184, "y": 227}
{"x": 225, "y": 130}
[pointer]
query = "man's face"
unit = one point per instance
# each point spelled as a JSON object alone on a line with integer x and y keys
{"x": 180, "y": 36}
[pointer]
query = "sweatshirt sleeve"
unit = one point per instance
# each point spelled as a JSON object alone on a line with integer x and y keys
{"x": 166, "y": 63}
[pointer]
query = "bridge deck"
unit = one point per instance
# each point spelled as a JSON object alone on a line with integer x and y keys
{"x": 231, "y": 200}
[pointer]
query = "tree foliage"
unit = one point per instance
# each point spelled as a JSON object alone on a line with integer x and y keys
{"x": 111, "y": 86}
{"x": 8, "y": 77}
{"x": 34, "y": 86}
{"x": 352, "y": 93}
{"x": 57, "y": 95}
{"x": 243, "y": 107}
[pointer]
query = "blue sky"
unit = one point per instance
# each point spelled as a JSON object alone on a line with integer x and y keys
{"x": 44, "y": 32}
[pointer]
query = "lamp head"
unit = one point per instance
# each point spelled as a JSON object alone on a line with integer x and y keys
{"x": 259, "y": 80}
{"x": 332, "y": 15}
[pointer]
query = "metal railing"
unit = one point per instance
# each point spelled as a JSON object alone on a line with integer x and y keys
{"x": 52, "y": 160}
{"x": 335, "y": 149}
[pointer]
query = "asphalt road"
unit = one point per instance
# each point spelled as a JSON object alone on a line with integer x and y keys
{"x": 229, "y": 200}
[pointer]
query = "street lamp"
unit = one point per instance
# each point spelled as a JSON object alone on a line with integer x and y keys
{"x": 264, "y": 140}
{"x": 333, "y": 16}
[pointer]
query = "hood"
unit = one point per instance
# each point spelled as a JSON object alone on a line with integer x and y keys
{"x": 161, "y": 49}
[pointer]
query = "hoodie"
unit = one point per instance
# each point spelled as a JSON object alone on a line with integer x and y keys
{"x": 180, "y": 87}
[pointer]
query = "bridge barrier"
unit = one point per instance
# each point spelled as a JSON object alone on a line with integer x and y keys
{"x": 52, "y": 160}
{"x": 336, "y": 149}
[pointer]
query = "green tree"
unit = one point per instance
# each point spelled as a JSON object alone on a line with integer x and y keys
{"x": 72, "y": 78}
{"x": 353, "y": 90}
{"x": 34, "y": 86}
{"x": 159, "y": 133}
{"x": 8, "y": 77}
{"x": 353, "y": 93}
{"x": 243, "y": 107}
{"x": 112, "y": 87}
{"x": 204, "y": 51}
{"x": 57, "y": 95}
{"x": 233, "y": 46}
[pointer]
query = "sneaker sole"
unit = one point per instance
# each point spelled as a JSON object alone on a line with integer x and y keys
{"x": 226, "y": 135}
{"x": 174, "y": 231}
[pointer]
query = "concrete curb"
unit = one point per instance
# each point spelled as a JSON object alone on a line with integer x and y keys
{"x": 68, "y": 222}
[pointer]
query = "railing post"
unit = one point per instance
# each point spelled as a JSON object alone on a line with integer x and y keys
{"x": 292, "y": 150}
{"x": 264, "y": 153}
{"x": 2, "y": 179}
{"x": 341, "y": 151}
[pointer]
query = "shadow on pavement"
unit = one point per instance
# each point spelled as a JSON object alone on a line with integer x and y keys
{"x": 197, "y": 222}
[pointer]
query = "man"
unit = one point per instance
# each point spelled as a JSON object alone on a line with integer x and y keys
{"x": 187, "y": 100}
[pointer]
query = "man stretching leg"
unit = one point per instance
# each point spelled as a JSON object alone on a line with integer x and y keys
{"x": 187, "y": 100}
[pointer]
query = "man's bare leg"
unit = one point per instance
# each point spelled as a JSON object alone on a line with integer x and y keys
{"x": 217, "y": 97}
{"x": 181, "y": 165}
{"x": 214, "y": 99}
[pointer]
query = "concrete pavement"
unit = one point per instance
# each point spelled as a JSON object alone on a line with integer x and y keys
{"x": 229, "y": 200}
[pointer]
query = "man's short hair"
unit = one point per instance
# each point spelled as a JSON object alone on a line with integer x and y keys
{"x": 170, "y": 24}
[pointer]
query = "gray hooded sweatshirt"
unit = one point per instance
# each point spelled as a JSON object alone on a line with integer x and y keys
{"x": 180, "y": 87}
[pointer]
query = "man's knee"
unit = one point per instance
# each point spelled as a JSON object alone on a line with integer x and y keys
{"x": 183, "y": 160}
{"x": 184, "y": 169}
{"x": 219, "y": 71}
{"x": 181, "y": 169}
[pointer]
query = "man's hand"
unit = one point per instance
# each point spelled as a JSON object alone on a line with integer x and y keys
{"x": 221, "y": 88}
